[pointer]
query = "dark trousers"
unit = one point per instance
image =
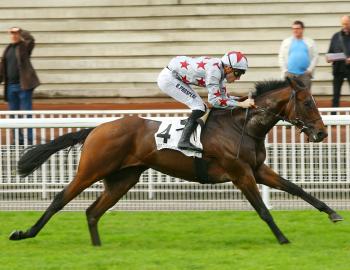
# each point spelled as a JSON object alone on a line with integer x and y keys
{"x": 338, "y": 80}
{"x": 19, "y": 99}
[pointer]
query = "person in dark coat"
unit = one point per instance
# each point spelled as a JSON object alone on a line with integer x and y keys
{"x": 18, "y": 74}
{"x": 340, "y": 43}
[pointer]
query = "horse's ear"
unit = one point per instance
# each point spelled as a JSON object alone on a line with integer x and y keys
{"x": 292, "y": 82}
{"x": 295, "y": 83}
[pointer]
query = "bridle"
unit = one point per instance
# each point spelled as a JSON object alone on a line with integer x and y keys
{"x": 303, "y": 125}
{"x": 291, "y": 105}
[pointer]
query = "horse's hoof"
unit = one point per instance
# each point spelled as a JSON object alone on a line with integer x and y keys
{"x": 334, "y": 217}
{"x": 16, "y": 235}
{"x": 284, "y": 241}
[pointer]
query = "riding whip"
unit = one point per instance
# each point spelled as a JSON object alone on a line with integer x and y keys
{"x": 243, "y": 129}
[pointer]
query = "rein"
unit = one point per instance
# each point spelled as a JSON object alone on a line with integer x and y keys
{"x": 244, "y": 125}
{"x": 295, "y": 122}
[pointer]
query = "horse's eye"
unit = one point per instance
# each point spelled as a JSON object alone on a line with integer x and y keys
{"x": 308, "y": 103}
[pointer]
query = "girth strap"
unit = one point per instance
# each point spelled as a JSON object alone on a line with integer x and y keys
{"x": 201, "y": 168}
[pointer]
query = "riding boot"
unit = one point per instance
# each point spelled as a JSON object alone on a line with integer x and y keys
{"x": 191, "y": 125}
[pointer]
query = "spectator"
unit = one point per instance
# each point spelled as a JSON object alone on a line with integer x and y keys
{"x": 340, "y": 43}
{"x": 18, "y": 74}
{"x": 298, "y": 55}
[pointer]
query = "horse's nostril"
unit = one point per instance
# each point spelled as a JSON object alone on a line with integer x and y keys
{"x": 322, "y": 135}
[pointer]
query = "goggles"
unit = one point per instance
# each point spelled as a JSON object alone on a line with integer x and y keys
{"x": 238, "y": 72}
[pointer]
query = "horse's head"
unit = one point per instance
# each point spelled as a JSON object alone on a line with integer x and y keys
{"x": 291, "y": 101}
{"x": 301, "y": 111}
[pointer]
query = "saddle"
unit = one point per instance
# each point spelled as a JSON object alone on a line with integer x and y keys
{"x": 168, "y": 135}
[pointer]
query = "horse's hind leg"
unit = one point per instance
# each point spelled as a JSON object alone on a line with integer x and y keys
{"x": 60, "y": 200}
{"x": 267, "y": 176}
{"x": 116, "y": 185}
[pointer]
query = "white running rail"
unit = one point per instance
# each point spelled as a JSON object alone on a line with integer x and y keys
{"x": 322, "y": 169}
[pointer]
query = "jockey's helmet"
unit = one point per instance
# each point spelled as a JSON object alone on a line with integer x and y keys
{"x": 235, "y": 60}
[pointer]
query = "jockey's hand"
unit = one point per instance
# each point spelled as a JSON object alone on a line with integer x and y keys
{"x": 248, "y": 103}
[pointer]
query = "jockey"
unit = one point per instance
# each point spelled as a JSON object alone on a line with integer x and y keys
{"x": 182, "y": 71}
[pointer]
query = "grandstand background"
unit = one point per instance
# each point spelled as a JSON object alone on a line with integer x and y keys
{"x": 103, "y": 49}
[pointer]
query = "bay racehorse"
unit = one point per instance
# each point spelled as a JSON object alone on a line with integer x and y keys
{"x": 119, "y": 151}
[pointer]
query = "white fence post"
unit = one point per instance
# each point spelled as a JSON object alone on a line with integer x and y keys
{"x": 150, "y": 184}
{"x": 44, "y": 172}
{"x": 266, "y": 196}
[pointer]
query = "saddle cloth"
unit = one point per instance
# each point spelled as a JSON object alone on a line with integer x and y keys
{"x": 169, "y": 134}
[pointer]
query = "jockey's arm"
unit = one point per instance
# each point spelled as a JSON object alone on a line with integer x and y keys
{"x": 217, "y": 95}
{"x": 221, "y": 100}
{"x": 218, "y": 98}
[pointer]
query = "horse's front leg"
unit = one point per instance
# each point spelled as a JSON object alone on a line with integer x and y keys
{"x": 247, "y": 184}
{"x": 266, "y": 176}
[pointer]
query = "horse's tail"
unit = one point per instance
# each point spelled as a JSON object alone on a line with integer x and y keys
{"x": 36, "y": 155}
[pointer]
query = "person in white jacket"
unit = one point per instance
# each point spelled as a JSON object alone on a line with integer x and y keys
{"x": 298, "y": 55}
{"x": 183, "y": 71}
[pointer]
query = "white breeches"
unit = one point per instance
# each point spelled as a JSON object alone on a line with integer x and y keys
{"x": 179, "y": 90}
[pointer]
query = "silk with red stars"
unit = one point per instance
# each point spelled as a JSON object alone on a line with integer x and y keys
{"x": 196, "y": 70}
{"x": 203, "y": 72}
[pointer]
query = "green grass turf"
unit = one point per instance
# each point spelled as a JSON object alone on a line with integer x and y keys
{"x": 178, "y": 240}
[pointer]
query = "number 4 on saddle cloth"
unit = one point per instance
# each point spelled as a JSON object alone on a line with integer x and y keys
{"x": 169, "y": 134}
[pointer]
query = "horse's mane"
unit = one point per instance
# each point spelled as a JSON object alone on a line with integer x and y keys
{"x": 263, "y": 87}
